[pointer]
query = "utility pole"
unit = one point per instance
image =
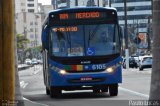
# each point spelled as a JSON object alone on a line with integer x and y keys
{"x": 155, "y": 75}
{"x": 35, "y": 39}
{"x": 110, "y": 3}
{"x": 148, "y": 34}
{"x": 98, "y": 3}
{"x": 126, "y": 33}
{"x": 7, "y": 60}
{"x": 76, "y": 2}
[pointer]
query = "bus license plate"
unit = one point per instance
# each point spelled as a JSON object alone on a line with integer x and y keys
{"x": 86, "y": 79}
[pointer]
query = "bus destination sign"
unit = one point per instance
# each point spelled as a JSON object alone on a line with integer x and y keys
{"x": 82, "y": 15}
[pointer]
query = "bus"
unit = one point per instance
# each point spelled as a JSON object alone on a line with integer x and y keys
{"x": 82, "y": 50}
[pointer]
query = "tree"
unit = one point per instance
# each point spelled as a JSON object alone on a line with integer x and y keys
{"x": 21, "y": 41}
{"x": 21, "y": 46}
{"x": 155, "y": 76}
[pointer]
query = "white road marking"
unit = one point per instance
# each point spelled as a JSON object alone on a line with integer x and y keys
{"x": 133, "y": 92}
{"x": 36, "y": 69}
{"x": 23, "y": 84}
{"x": 35, "y": 72}
{"x": 38, "y": 104}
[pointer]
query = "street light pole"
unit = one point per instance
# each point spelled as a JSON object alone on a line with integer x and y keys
{"x": 126, "y": 32}
{"x": 148, "y": 33}
{"x": 35, "y": 40}
{"x": 98, "y": 3}
{"x": 76, "y": 3}
{"x": 110, "y": 3}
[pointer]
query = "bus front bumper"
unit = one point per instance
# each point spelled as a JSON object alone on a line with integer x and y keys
{"x": 85, "y": 79}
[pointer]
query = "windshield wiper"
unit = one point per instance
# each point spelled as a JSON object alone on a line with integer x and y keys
{"x": 68, "y": 37}
{"x": 93, "y": 33}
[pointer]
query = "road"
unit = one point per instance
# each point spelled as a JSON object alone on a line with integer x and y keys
{"x": 135, "y": 86}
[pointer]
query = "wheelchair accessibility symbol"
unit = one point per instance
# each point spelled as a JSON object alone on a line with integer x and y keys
{"x": 90, "y": 51}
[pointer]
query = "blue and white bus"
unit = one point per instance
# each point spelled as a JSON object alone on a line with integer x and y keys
{"x": 81, "y": 50}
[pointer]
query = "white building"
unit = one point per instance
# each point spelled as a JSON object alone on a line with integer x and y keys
{"x": 28, "y": 21}
{"x": 73, "y": 3}
{"x": 45, "y": 8}
{"x": 138, "y": 12}
{"x": 29, "y": 24}
{"x": 32, "y": 6}
{"x": 26, "y": 6}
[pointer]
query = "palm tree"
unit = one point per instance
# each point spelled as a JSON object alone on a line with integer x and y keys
{"x": 155, "y": 77}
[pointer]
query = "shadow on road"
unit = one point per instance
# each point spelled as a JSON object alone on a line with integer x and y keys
{"x": 68, "y": 96}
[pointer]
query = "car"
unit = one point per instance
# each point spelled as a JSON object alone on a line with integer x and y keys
{"x": 132, "y": 63}
{"x": 34, "y": 61}
{"x": 137, "y": 59}
{"x": 39, "y": 61}
{"x": 145, "y": 62}
{"x": 28, "y": 61}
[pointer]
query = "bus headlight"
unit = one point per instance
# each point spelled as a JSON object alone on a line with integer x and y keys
{"x": 109, "y": 70}
{"x": 62, "y": 72}
{"x": 112, "y": 68}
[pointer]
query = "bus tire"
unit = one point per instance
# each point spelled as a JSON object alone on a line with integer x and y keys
{"x": 55, "y": 92}
{"x": 113, "y": 90}
{"x": 47, "y": 91}
{"x": 141, "y": 68}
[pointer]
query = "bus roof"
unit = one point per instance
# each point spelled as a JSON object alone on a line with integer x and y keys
{"x": 77, "y": 9}
{"x": 82, "y": 8}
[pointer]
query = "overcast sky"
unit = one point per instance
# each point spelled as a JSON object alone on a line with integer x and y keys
{"x": 45, "y": 2}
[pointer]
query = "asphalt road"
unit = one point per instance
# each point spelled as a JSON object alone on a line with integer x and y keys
{"x": 135, "y": 86}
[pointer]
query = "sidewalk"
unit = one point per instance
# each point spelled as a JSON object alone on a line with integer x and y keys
{"x": 23, "y": 66}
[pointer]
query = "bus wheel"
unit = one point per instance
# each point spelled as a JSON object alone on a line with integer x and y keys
{"x": 55, "y": 92}
{"x": 113, "y": 90}
{"x": 47, "y": 91}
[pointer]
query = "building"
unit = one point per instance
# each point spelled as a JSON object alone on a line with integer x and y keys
{"x": 139, "y": 13}
{"x": 26, "y": 6}
{"x": 73, "y": 3}
{"x": 32, "y": 6}
{"x": 28, "y": 21}
{"x": 139, "y": 19}
{"x": 29, "y": 25}
{"x": 44, "y": 9}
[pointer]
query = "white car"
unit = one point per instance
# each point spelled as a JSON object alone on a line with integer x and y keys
{"x": 34, "y": 61}
{"x": 39, "y": 61}
{"x": 28, "y": 61}
{"x": 145, "y": 62}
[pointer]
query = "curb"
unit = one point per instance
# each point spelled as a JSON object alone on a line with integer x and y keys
{"x": 28, "y": 102}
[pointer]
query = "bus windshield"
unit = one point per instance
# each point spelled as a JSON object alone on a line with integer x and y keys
{"x": 85, "y": 40}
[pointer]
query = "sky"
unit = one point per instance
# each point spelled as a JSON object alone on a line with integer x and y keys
{"x": 45, "y": 2}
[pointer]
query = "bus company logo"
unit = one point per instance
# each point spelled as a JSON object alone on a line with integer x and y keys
{"x": 85, "y": 62}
